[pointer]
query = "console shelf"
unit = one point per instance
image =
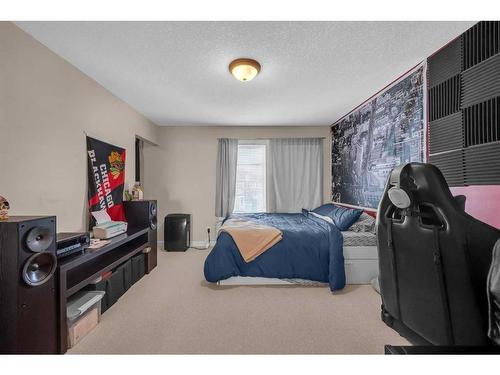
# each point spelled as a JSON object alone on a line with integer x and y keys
{"x": 88, "y": 255}
{"x": 78, "y": 271}
{"x": 82, "y": 276}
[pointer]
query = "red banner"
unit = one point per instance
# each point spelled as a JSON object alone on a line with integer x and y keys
{"x": 106, "y": 175}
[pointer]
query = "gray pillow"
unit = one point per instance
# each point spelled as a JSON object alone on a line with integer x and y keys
{"x": 365, "y": 223}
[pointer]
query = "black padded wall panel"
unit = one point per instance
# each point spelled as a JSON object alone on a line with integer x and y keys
{"x": 482, "y": 122}
{"x": 482, "y": 164}
{"x": 481, "y": 82}
{"x": 445, "y": 64}
{"x": 464, "y": 107}
{"x": 451, "y": 165}
{"x": 446, "y": 133}
{"x": 480, "y": 42}
{"x": 444, "y": 98}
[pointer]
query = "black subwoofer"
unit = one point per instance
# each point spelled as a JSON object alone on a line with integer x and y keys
{"x": 28, "y": 305}
{"x": 177, "y": 232}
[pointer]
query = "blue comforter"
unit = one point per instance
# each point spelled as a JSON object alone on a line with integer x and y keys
{"x": 311, "y": 249}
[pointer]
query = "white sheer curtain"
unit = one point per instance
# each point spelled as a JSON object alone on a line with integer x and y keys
{"x": 227, "y": 159}
{"x": 296, "y": 174}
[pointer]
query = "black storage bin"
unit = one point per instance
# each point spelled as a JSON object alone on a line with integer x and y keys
{"x": 126, "y": 268}
{"x": 114, "y": 288}
{"x": 122, "y": 278}
{"x": 138, "y": 267}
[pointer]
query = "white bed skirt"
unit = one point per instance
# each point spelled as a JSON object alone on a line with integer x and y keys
{"x": 361, "y": 267}
{"x": 244, "y": 280}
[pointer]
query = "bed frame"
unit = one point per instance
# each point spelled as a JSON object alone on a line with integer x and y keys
{"x": 243, "y": 280}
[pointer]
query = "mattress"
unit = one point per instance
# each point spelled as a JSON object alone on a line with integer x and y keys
{"x": 359, "y": 239}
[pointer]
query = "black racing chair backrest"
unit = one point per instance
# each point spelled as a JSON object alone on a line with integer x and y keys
{"x": 434, "y": 258}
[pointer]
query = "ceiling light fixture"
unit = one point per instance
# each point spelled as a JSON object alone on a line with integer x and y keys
{"x": 244, "y": 70}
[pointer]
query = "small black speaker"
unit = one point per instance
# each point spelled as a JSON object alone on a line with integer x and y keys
{"x": 141, "y": 214}
{"x": 177, "y": 232}
{"x": 28, "y": 304}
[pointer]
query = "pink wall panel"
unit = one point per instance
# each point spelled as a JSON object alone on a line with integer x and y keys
{"x": 483, "y": 202}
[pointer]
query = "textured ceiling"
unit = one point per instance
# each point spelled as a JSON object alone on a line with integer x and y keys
{"x": 175, "y": 73}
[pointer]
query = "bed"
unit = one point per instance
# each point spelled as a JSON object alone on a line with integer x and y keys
{"x": 360, "y": 261}
{"x": 312, "y": 253}
{"x": 311, "y": 249}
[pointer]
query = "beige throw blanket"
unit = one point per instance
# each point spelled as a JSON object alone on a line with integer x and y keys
{"x": 251, "y": 238}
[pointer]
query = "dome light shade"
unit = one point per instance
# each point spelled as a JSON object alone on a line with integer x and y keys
{"x": 244, "y": 70}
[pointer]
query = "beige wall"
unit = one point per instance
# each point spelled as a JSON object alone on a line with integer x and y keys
{"x": 45, "y": 106}
{"x": 180, "y": 171}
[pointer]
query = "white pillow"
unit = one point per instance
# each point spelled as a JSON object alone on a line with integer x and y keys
{"x": 325, "y": 218}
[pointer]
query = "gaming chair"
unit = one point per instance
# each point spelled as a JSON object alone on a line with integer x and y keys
{"x": 434, "y": 260}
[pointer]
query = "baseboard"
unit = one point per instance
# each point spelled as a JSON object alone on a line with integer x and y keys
{"x": 193, "y": 244}
{"x": 201, "y": 243}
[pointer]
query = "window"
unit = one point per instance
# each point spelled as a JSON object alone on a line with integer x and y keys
{"x": 251, "y": 177}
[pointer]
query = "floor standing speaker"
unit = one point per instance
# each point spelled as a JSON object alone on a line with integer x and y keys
{"x": 28, "y": 305}
{"x": 143, "y": 214}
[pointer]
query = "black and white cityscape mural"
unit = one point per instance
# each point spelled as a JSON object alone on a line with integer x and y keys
{"x": 386, "y": 131}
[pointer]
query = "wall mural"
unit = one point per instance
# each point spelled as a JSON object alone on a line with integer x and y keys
{"x": 367, "y": 143}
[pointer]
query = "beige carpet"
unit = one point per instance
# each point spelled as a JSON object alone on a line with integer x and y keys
{"x": 174, "y": 310}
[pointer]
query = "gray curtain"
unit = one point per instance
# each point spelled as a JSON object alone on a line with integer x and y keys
{"x": 296, "y": 174}
{"x": 227, "y": 158}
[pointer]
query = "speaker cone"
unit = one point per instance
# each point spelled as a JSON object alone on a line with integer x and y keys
{"x": 152, "y": 223}
{"x": 152, "y": 215}
{"x": 39, "y": 239}
{"x": 39, "y": 268}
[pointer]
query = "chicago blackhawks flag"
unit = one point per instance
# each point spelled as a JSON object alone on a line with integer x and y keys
{"x": 106, "y": 172}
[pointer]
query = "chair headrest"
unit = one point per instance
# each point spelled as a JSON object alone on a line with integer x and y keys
{"x": 399, "y": 193}
{"x": 395, "y": 176}
{"x": 421, "y": 189}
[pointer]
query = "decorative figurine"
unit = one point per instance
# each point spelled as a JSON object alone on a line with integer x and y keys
{"x": 4, "y": 208}
{"x": 137, "y": 193}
